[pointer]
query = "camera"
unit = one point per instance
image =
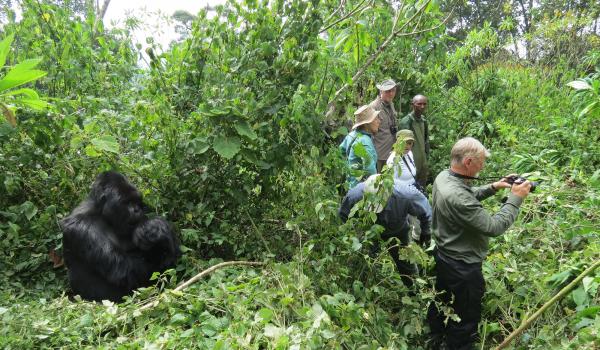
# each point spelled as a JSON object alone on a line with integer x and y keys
{"x": 393, "y": 130}
{"x": 519, "y": 180}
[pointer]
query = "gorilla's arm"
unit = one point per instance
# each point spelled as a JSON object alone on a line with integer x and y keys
{"x": 156, "y": 239}
{"x": 89, "y": 240}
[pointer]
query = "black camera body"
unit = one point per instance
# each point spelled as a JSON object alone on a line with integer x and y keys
{"x": 519, "y": 180}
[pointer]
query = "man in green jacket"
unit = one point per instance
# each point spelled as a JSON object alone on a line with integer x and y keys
{"x": 416, "y": 122}
{"x": 461, "y": 229}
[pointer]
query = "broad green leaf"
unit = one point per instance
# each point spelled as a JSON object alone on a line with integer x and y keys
{"x": 579, "y": 296}
{"x": 319, "y": 315}
{"x": 86, "y": 320}
{"x": 198, "y": 146}
{"x": 187, "y": 333}
{"x": 25, "y": 66}
{"x": 589, "y": 312}
{"x": 341, "y": 39}
{"x": 29, "y": 209}
{"x": 107, "y": 143}
{"x": 432, "y": 6}
{"x": 318, "y": 207}
{"x": 178, "y": 318}
{"x": 561, "y": 277}
{"x": 589, "y": 283}
{"x": 5, "y": 49}
{"x": 29, "y": 93}
{"x": 91, "y": 151}
{"x": 373, "y": 217}
{"x": 579, "y": 85}
{"x": 35, "y": 104}
{"x": 65, "y": 54}
{"x": 227, "y": 147}
{"x": 13, "y": 79}
{"x": 264, "y": 316}
{"x": 243, "y": 129}
{"x": 360, "y": 150}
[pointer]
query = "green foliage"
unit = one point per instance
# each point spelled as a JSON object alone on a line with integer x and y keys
{"x": 18, "y": 75}
{"x": 225, "y": 135}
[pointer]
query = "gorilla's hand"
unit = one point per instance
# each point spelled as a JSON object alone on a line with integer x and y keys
{"x": 153, "y": 233}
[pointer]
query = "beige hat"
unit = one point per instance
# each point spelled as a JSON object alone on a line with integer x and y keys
{"x": 364, "y": 115}
{"x": 405, "y": 135}
{"x": 386, "y": 85}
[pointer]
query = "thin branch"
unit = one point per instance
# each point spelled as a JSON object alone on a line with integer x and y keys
{"x": 102, "y": 11}
{"x": 342, "y": 4}
{"x": 214, "y": 268}
{"x": 192, "y": 280}
{"x": 423, "y": 30}
{"x": 348, "y": 15}
{"x": 554, "y": 299}
{"x": 259, "y": 233}
{"x": 397, "y": 17}
{"x": 378, "y": 52}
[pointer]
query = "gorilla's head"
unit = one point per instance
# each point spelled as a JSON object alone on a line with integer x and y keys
{"x": 117, "y": 200}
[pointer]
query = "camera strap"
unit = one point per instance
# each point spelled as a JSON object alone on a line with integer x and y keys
{"x": 408, "y": 167}
{"x": 461, "y": 176}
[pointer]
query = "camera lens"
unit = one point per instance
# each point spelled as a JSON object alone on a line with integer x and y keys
{"x": 533, "y": 186}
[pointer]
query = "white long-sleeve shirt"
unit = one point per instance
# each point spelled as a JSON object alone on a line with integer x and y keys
{"x": 407, "y": 173}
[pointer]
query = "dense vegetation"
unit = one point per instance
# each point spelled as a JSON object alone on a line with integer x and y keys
{"x": 231, "y": 133}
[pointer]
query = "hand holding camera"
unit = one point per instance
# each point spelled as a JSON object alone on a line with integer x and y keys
{"x": 504, "y": 182}
{"x": 520, "y": 186}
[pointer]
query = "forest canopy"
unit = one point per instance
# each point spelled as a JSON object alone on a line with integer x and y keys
{"x": 231, "y": 133}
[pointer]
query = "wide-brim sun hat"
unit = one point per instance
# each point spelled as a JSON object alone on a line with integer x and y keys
{"x": 386, "y": 85}
{"x": 364, "y": 115}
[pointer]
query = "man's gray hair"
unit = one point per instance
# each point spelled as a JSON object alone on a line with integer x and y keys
{"x": 467, "y": 147}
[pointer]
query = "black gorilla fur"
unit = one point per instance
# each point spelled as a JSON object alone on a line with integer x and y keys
{"x": 110, "y": 246}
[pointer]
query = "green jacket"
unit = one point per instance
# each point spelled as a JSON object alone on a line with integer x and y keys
{"x": 461, "y": 226}
{"x": 408, "y": 122}
{"x": 421, "y": 147}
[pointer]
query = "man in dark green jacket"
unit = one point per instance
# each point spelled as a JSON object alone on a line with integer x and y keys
{"x": 416, "y": 122}
{"x": 461, "y": 229}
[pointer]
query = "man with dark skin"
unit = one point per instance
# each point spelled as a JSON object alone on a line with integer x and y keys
{"x": 417, "y": 123}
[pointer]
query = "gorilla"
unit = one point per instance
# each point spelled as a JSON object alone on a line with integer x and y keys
{"x": 110, "y": 246}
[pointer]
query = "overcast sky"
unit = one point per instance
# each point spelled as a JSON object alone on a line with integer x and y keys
{"x": 153, "y": 13}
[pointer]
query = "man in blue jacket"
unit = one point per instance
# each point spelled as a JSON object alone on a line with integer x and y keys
{"x": 403, "y": 200}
